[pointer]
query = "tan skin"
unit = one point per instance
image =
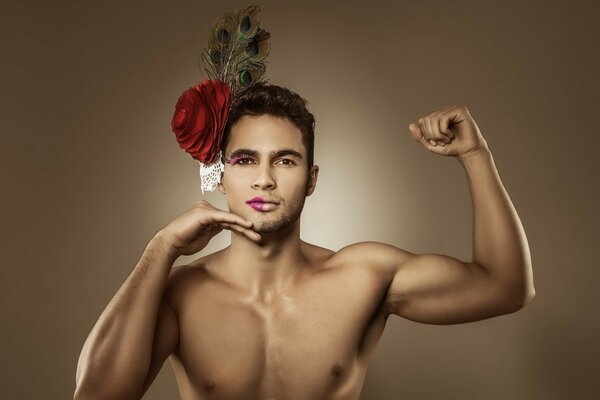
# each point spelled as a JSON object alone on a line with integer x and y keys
{"x": 274, "y": 317}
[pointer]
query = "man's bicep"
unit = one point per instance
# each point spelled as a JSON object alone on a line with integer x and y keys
{"x": 166, "y": 339}
{"x": 438, "y": 289}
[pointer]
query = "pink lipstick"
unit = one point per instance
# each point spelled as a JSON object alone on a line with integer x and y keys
{"x": 260, "y": 204}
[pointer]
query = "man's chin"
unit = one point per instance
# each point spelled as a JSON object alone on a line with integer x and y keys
{"x": 270, "y": 227}
{"x": 275, "y": 225}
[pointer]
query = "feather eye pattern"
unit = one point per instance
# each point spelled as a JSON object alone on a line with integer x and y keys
{"x": 237, "y": 49}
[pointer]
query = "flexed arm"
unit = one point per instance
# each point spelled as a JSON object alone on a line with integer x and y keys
{"x": 500, "y": 245}
{"x": 439, "y": 289}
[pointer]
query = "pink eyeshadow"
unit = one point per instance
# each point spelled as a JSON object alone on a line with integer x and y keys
{"x": 235, "y": 160}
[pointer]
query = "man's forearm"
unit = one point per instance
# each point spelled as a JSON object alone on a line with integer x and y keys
{"x": 115, "y": 358}
{"x": 500, "y": 244}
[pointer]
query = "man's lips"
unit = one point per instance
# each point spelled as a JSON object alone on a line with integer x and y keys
{"x": 261, "y": 200}
{"x": 262, "y": 204}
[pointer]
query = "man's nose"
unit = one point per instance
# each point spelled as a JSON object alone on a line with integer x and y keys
{"x": 264, "y": 178}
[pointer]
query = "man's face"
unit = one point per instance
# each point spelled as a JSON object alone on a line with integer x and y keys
{"x": 265, "y": 158}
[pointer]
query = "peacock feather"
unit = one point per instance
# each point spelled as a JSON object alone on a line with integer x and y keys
{"x": 237, "y": 50}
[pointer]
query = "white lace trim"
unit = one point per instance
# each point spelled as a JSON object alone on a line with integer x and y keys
{"x": 210, "y": 174}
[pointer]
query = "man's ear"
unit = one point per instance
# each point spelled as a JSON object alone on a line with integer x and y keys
{"x": 221, "y": 187}
{"x": 313, "y": 174}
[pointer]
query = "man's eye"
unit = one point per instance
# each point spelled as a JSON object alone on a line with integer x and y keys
{"x": 287, "y": 161}
{"x": 241, "y": 160}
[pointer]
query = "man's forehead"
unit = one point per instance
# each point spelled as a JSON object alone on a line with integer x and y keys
{"x": 265, "y": 134}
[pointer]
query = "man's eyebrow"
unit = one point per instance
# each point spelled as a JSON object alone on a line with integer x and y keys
{"x": 274, "y": 154}
{"x": 287, "y": 152}
{"x": 242, "y": 152}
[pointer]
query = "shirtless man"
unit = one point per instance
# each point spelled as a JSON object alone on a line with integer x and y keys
{"x": 274, "y": 317}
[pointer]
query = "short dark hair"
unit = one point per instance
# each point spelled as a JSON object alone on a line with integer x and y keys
{"x": 261, "y": 99}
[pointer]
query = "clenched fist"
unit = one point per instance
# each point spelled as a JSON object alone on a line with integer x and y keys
{"x": 450, "y": 131}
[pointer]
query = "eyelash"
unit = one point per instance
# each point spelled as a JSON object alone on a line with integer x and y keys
{"x": 237, "y": 160}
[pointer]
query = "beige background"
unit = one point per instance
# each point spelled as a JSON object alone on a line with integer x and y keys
{"x": 91, "y": 170}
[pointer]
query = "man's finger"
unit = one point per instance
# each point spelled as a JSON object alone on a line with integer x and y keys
{"x": 415, "y": 131}
{"x": 433, "y": 123}
{"x": 444, "y": 124}
{"x": 431, "y": 128}
{"x": 247, "y": 232}
{"x": 423, "y": 128}
{"x": 225, "y": 216}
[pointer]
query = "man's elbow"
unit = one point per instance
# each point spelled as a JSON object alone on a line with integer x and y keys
{"x": 520, "y": 298}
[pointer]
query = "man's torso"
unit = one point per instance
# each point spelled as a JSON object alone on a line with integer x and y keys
{"x": 312, "y": 342}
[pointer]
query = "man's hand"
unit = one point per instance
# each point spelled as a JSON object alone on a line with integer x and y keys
{"x": 450, "y": 131}
{"x": 190, "y": 232}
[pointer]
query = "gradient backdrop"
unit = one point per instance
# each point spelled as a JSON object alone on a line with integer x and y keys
{"x": 91, "y": 170}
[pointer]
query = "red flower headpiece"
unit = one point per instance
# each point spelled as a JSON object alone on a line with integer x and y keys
{"x": 200, "y": 117}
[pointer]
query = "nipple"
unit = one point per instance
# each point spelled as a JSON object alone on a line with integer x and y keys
{"x": 336, "y": 370}
{"x": 209, "y": 386}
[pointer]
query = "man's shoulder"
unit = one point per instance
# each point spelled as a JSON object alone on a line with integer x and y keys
{"x": 196, "y": 266}
{"x": 187, "y": 277}
{"x": 371, "y": 254}
{"x": 351, "y": 250}
{"x": 361, "y": 251}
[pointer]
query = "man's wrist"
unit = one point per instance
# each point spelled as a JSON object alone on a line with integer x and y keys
{"x": 159, "y": 244}
{"x": 482, "y": 151}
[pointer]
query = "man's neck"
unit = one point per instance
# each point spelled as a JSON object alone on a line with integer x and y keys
{"x": 267, "y": 267}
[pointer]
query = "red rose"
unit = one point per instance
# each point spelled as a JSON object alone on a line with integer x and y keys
{"x": 200, "y": 117}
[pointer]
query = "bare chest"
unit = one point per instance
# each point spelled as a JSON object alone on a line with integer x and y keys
{"x": 309, "y": 343}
